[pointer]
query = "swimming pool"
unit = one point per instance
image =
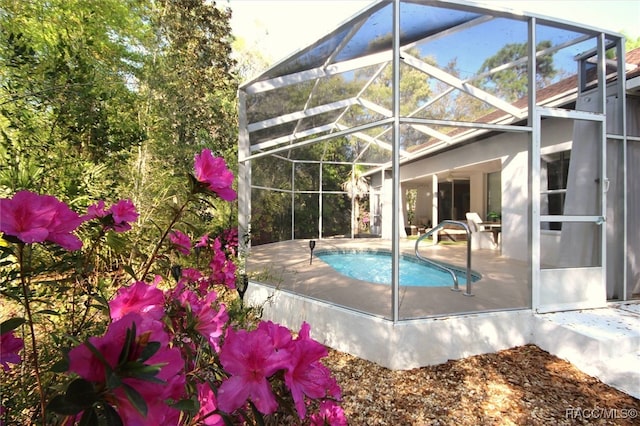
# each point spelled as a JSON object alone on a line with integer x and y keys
{"x": 375, "y": 267}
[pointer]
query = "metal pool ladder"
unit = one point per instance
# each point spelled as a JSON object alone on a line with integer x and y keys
{"x": 443, "y": 267}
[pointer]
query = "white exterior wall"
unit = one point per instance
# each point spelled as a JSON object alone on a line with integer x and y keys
{"x": 601, "y": 342}
{"x": 400, "y": 346}
{"x": 512, "y": 150}
{"x": 478, "y": 188}
{"x": 424, "y": 200}
{"x": 515, "y": 214}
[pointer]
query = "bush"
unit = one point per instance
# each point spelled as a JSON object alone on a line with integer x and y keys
{"x": 166, "y": 340}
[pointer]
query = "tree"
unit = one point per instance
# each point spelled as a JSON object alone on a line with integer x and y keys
{"x": 187, "y": 89}
{"x": 511, "y": 83}
{"x": 190, "y": 84}
{"x": 630, "y": 42}
{"x": 67, "y": 115}
{"x": 357, "y": 187}
{"x": 111, "y": 99}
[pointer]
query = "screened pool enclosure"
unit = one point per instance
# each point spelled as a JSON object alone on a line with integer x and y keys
{"x": 411, "y": 113}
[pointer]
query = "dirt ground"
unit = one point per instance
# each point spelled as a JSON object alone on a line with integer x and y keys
{"x": 519, "y": 386}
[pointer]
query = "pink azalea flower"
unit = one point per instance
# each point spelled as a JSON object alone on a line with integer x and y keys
{"x": 96, "y": 210}
{"x": 231, "y": 237}
{"x": 123, "y": 212}
{"x": 140, "y": 297}
{"x": 329, "y": 413}
{"x": 116, "y": 217}
{"x": 64, "y": 222}
{"x": 249, "y": 357}
{"x": 305, "y": 375}
{"x": 181, "y": 242}
{"x": 27, "y": 216}
{"x": 34, "y": 218}
{"x": 209, "y": 322}
{"x": 228, "y": 277}
{"x": 10, "y": 345}
{"x": 280, "y": 336}
{"x": 208, "y": 405}
{"x": 192, "y": 275}
{"x": 203, "y": 241}
{"x": 223, "y": 269}
{"x": 83, "y": 362}
{"x": 213, "y": 172}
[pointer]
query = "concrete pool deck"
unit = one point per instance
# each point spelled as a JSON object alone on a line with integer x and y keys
{"x": 286, "y": 265}
{"x": 354, "y": 317}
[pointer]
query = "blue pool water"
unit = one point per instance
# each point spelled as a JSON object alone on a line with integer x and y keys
{"x": 375, "y": 267}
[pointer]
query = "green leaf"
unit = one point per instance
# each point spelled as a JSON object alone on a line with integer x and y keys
{"x": 48, "y": 312}
{"x": 61, "y": 366}
{"x": 142, "y": 371}
{"x": 112, "y": 380}
{"x": 136, "y": 399}
{"x": 258, "y": 415}
{"x": 11, "y": 324}
{"x": 116, "y": 241}
{"x": 89, "y": 418}
{"x": 187, "y": 405}
{"x": 129, "y": 270}
{"x": 228, "y": 421}
{"x": 149, "y": 351}
{"x": 111, "y": 416}
{"x": 81, "y": 392}
{"x": 60, "y": 405}
{"x": 5, "y": 251}
{"x": 102, "y": 302}
{"x": 128, "y": 344}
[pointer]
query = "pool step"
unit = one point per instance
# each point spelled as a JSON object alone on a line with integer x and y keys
{"x": 604, "y": 343}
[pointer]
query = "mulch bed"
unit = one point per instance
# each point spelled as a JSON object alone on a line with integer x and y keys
{"x": 519, "y": 386}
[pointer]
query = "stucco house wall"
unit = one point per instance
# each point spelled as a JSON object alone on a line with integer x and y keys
{"x": 511, "y": 150}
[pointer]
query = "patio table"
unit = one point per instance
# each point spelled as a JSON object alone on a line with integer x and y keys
{"x": 495, "y": 227}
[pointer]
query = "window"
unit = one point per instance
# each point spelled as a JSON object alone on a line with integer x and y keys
{"x": 454, "y": 199}
{"x": 554, "y": 170}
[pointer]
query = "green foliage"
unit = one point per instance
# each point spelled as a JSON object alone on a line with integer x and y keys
{"x": 64, "y": 104}
{"x": 191, "y": 87}
{"x": 105, "y": 100}
{"x": 511, "y": 84}
{"x": 113, "y": 98}
{"x": 631, "y": 43}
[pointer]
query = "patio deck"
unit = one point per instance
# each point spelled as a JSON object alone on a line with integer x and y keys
{"x": 285, "y": 265}
{"x": 353, "y": 316}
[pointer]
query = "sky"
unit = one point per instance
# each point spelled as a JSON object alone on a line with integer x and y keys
{"x": 281, "y": 27}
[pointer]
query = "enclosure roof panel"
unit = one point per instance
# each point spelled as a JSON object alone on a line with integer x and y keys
{"x": 460, "y": 62}
{"x": 370, "y": 31}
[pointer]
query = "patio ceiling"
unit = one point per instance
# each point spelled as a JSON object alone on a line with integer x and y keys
{"x": 456, "y": 60}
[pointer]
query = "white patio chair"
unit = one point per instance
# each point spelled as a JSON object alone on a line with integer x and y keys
{"x": 481, "y": 237}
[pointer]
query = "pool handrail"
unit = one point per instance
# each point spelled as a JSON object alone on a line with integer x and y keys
{"x": 441, "y": 266}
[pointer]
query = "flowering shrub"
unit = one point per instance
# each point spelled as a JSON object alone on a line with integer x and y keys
{"x": 365, "y": 222}
{"x": 10, "y": 346}
{"x": 171, "y": 350}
